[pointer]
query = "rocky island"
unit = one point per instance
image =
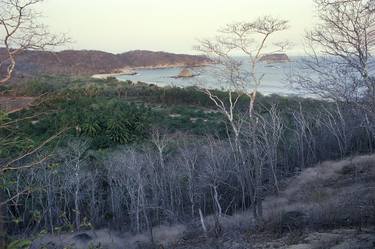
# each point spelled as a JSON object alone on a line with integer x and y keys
{"x": 185, "y": 73}
{"x": 274, "y": 58}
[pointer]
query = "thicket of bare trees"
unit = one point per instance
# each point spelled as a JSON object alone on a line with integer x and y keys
{"x": 252, "y": 40}
{"x": 341, "y": 66}
{"x": 176, "y": 176}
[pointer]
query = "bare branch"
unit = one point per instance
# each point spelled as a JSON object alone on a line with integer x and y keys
{"x": 20, "y": 31}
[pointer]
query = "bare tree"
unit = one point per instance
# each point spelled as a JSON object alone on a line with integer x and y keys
{"x": 74, "y": 157}
{"x": 188, "y": 159}
{"x": 250, "y": 39}
{"x": 271, "y": 128}
{"x": 20, "y": 31}
{"x": 200, "y": 175}
{"x": 305, "y": 142}
{"x": 340, "y": 47}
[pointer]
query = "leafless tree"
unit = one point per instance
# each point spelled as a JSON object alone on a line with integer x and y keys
{"x": 340, "y": 48}
{"x": 74, "y": 157}
{"x": 335, "y": 123}
{"x": 271, "y": 129}
{"x": 188, "y": 159}
{"x": 117, "y": 181}
{"x": 199, "y": 175}
{"x": 305, "y": 139}
{"x": 250, "y": 39}
{"x": 20, "y": 31}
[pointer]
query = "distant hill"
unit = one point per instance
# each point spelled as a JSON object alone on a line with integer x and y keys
{"x": 89, "y": 62}
{"x": 144, "y": 58}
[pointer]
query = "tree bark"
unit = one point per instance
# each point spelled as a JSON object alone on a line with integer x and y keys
{"x": 2, "y": 226}
{"x": 202, "y": 222}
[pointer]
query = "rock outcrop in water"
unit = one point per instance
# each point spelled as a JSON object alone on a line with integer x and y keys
{"x": 274, "y": 58}
{"x": 185, "y": 73}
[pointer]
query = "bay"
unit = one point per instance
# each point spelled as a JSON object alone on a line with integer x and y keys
{"x": 275, "y": 77}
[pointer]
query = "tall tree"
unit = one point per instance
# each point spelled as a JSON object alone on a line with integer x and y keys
{"x": 252, "y": 40}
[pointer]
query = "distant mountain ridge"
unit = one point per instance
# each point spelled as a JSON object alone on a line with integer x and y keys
{"x": 89, "y": 62}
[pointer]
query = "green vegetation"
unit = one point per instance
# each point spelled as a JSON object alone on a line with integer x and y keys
{"x": 19, "y": 244}
{"x": 110, "y": 112}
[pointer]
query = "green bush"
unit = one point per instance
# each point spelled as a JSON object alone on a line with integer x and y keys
{"x": 19, "y": 244}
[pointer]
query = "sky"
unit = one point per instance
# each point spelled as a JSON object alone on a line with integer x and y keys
{"x": 166, "y": 25}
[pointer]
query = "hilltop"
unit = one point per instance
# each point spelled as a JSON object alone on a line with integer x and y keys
{"x": 88, "y": 62}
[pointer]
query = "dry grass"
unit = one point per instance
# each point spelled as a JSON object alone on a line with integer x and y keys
{"x": 14, "y": 104}
{"x": 332, "y": 194}
{"x": 164, "y": 236}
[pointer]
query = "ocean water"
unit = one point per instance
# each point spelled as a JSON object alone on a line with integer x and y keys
{"x": 276, "y": 77}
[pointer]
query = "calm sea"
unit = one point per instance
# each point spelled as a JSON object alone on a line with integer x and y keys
{"x": 275, "y": 77}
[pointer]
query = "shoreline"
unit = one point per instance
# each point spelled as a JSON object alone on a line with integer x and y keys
{"x": 264, "y": 92}
{"x": 133, "y": 70}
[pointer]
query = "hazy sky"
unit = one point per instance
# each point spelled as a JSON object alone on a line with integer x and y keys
{"x": 168, "y": 25}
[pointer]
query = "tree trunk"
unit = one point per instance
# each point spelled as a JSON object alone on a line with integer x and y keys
{"x": 2, "y": 227}
{"x": 76, "y": 206}
{"x": 202, "y": 222}
{"x": 260, "y": 208}
{"x": 216, "y": 197}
